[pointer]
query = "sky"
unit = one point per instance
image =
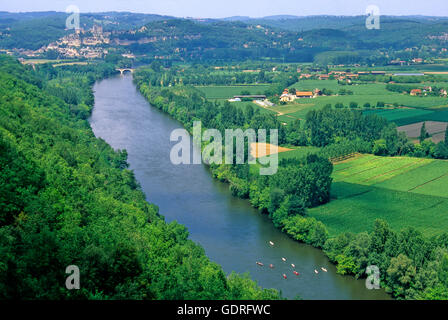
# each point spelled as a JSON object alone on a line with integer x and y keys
{"x": 227, "y": 8}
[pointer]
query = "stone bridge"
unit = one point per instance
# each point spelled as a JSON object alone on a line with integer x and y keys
{"x": 123, "y": 70}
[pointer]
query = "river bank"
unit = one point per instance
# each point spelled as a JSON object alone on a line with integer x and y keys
{"x": 232, "y": 233}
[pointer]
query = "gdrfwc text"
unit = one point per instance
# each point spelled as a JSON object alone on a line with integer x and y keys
{"x": 236, "y": 149}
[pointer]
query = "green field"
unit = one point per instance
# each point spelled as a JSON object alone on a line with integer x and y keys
{"x": 298, "y": 152}
{"x": 441, "y": 115}
{"x": 369, "y": 170}
{"x": 418, "y": 108}
{"x": 412, "y": 109}
{"x": 403, "y": 191}
{"x": 399, "y": 115}
{"x": 227, "y": 92}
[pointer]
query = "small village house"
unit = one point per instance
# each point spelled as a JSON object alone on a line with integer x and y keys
{"x": 416, "y": 92}
{"x": 304, "y": 94}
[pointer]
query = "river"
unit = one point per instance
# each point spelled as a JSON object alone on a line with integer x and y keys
{"x": 233, "y": 234}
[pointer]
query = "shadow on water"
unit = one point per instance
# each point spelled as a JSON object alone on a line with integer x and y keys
{"x": 233, "y": 234}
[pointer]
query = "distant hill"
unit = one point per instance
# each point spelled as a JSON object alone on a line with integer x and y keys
{"x": 32, "y": 30}
{"x": 305, "y": 23}
{"x": 207, "y": 39}
{"x": 235, "y": 18}
{"x": 281, "y": 37}
{"x": 212, "y": 40}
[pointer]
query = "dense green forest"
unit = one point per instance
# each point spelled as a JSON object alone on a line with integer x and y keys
{"x": 31, "y": 33}
{"x": 68, "y": 198}
{"x": 413, "y": 266}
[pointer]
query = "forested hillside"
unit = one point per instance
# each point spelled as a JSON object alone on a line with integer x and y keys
{"x": 32, "y": 30}
{"x": 214, "y": 40}
{"x": 67, "y": 198}
{"x": 321, "y": 39}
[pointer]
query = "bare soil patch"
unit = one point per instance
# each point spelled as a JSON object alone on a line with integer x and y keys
{"x": 258, "y": 150}
{"x": 434, "y": 128}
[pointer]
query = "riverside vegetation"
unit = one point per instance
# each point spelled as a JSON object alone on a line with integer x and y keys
{"x": 67, "y": 198}
{"x": 412, "y": 265}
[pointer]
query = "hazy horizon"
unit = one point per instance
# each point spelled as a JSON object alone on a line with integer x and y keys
{"x": 233, "y": 8}
{"x": 235, "y": 16}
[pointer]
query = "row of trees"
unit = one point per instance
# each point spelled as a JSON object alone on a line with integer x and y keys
{"x": 355, "y": 105}
{"x": 297, "y": 184}
{"x": 412, "y": 266}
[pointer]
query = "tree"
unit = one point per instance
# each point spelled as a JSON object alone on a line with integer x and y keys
{"x": 276, "y": 197}
{"x": 401, "y": 273}
{"x": 423, "y": 133}
{"x": 446, "y": 137}
{"x": 440, "y": 151}
{"x": 380, "y": 147}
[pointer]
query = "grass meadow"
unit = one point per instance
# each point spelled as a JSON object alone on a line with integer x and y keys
{"x": 416, "y": 108}
{"x": 404, "y": 191}
{"x": 227, "y": 92}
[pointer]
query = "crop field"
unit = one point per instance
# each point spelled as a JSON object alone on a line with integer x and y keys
{"x": 227, "y": 92}
{"x": 392, "y": 98}
{"x": 412, "y": 109}
{"x": 81, "y": 63}
{"x": 404, "y": 191}
{"x": 401, "y": 116}
{"x": 358, "y": 206}
{"x": 425, "y": 180}
{"x": 441, "y": 115}
{"x": 292, "y": 111}
{"x": 369, "y": 170}
{"x": 417, "y": 108}
{"x": 298, "y": 152}
{"x": 308, "y": 85}
{"x": 41, "y": 61}
{"x": 402, "y": 69}
{"x": 396, "y": 115}
{"x": 434, "y": 128}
